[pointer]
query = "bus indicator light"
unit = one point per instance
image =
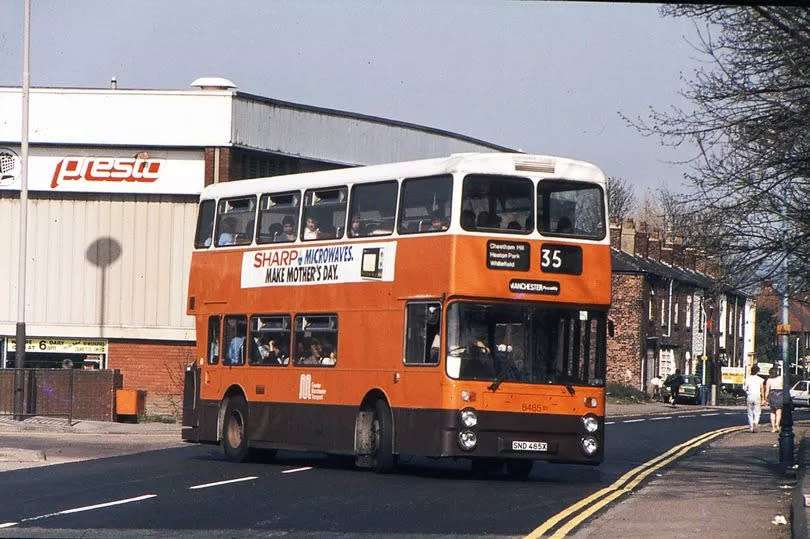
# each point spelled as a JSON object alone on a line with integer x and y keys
{"x": 468, "y": 396}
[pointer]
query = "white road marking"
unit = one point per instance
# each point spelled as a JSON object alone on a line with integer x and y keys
{"x": 687, "y": 416}
{"x": 8, "y": 524}
{"x": 305, "y": 468}
{"x": 661, "y": 418}
{"x": 633, "y": 420}
{"x": 108, "y": 504}
{"x": 731, "y": 413}
{"x": 707, "y": 415}
{"x": 218, "y": 483}
{"x": 610, "y": 422}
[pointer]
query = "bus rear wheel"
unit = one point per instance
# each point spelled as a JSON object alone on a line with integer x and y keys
{"x": 519, "y": 468}
{"x": 382, "y": 433}
{"x": 234, "y": 430}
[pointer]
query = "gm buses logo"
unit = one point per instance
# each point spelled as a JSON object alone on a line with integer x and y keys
{"x": 10, "y": 167}
{"x": 105, "y": 169}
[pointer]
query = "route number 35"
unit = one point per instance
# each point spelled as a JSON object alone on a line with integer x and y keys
{"x": 556, "y": 258}
{"x": 551, "y": 258}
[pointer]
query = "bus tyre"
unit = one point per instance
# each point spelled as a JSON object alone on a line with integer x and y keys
{"x": 519, "y": 468}
{"x": 234, "y": 430}
{"x": 382, "y": 432}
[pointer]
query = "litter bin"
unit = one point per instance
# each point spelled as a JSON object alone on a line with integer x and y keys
{"x": 129, "y": 404}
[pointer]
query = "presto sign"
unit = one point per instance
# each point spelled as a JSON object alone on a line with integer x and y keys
{"x": 153, "y": 172}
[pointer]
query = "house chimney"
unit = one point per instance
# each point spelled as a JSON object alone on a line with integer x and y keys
{"x": 654, "y": 246}
{"x": 615, "y": 228}
{"x": 690, "y": 258}
{"x": 642, "y": 241}
{"x": 667, "y": 254}
{"x": 629, "y": 237}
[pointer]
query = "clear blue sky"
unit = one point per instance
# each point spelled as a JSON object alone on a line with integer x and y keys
{"x": 544, "y": 77}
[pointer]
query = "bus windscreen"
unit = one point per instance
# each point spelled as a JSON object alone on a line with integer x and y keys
{"x": 515, "y": 343}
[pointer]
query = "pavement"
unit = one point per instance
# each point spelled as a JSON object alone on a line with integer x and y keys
{"x": 731, "y": 486}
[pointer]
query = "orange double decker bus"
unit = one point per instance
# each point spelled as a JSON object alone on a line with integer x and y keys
{"x": 452, "y": 307}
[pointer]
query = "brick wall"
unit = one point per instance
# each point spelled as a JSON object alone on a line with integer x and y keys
{"x": 629, "y": 314}
{"x": 157, "y": 368}
{"x": 48, "y": 393}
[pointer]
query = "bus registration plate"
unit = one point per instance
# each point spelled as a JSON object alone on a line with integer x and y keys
{"x": 518, "y": 445}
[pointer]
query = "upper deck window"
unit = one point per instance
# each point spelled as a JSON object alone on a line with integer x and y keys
{"x": 324, "y": 214}
{"x": 425, "y": 204}
{"x": 278, "y": 217}
{"x": 205, "y": 224}
{"x": 373, "y": 209}
{"x": 497, "y": 204}
{"x": 570, "y": 209}
{"x": 235, "y": 221}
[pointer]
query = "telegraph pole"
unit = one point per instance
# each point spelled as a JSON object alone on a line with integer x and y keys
{"x": 19, "y": 383}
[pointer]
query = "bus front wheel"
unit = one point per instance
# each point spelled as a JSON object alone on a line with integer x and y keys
{"x": 382, "y": 455}
{"x": 234, "y": 430}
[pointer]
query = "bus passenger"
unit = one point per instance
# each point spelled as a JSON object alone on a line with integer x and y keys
{"x": 564, "y": 225}
{"x": 315, "y": 354}
{"x": 354, "y": 230}
{"x": 311, "y": 231}
{"x": 436, "y": 223}
{"x": 237, "y": 345}
{"x": 288, "y": 230}
{"x": 228, "y": 234}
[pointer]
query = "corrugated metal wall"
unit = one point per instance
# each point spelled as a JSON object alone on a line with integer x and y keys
{"x": 112, "y": 266}
{"x": 338, "y": 137}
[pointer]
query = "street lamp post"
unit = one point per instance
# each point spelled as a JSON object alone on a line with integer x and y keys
{"x": 19, "y": 384}
{"x": 786, "y": 430}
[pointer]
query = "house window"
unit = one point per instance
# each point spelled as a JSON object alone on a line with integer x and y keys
{"x": 688, "y": 314}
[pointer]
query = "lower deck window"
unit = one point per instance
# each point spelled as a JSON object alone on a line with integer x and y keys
{"x": 315, "y": 340}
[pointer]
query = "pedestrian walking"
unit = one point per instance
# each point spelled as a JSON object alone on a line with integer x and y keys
{"x": 773, "y": 392}
{"x": 656, "y": 387}
{"x": 754, "y": 387}
{"x": 674, "y": 383}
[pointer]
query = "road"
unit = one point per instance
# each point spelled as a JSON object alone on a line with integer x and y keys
{"x": 178, "y": 491}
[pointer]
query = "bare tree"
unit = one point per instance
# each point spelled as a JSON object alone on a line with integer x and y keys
{"x": 621, "y": 197}
{"x": 750, "y": 117}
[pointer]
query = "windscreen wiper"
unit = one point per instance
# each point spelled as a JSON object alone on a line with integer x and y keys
{"x": 570, "y": 389}
{"x": 496, "y": 383}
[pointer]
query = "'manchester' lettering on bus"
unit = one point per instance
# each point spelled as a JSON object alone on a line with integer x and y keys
{"x": 106, "y": 169}
{"x": 325, "y": 255}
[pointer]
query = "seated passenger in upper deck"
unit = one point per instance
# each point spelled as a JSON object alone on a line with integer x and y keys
{"x": 287, "y": 233}
{"x": 437, "y": 223}
{"x": 311, "y": 230}
{"x": 227, "y": 235}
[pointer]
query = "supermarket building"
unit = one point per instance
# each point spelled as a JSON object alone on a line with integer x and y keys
{"x": 114, "y": 176}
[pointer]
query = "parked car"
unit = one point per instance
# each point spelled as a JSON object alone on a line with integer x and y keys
{"x": 800, "y": 393}
{"x": 690, "y": 390}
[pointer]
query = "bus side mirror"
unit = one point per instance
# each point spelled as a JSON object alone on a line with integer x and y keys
{"x": 611, "y": 328}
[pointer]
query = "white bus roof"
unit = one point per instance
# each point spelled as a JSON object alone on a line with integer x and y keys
{"x": 483, "y": 163}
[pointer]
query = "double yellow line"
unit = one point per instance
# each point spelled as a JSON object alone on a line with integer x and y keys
{"x": 585, "y": 508}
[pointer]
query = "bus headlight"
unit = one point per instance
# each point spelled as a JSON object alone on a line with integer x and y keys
{"x": 589, "y": 445}
{"x": 467, "y": 440}
{"x": 590, "y": 423}
{"x": 468, "y": 418}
